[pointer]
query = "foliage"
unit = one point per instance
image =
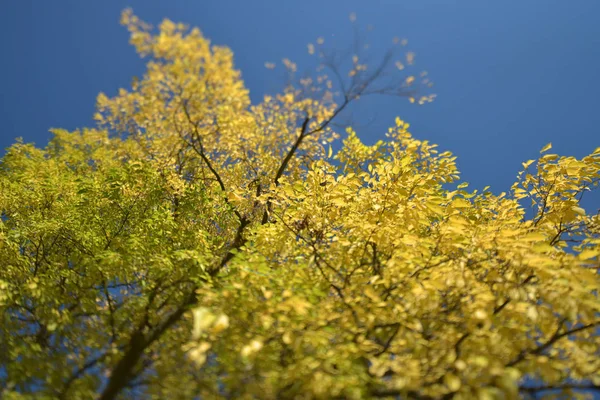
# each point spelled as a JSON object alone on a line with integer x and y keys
{"x": 197, "y": 246}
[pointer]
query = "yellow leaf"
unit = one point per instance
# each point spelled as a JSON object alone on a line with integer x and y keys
{"x": 588, "y": 253}
{"x": 487, "y": 394}
{"x": 460, "y": 203}
{"x": 299, "y": 305}
{"x": 542, "y": 248}
{"x": 220, "y": 324}
{"x": 532, "y": 313}
{"x": 203, "y": 318}
{"x": 550, "y": 157}
{"x": 452, "y": 382}
{"x": 546, "y": 148}
{"x": 527, "y": 163}
{"x": 253, "y": 347}
{"x": 480, "y": 314}
{"x": 533, "y": 237}
{"x": 370, "y": 293}
{"x": 436, "y": 208}
{"x": 578, "y": 210}
{"x": 197, "y": 356}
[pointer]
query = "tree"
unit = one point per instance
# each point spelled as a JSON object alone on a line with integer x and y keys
{"x": 196, "y": 246}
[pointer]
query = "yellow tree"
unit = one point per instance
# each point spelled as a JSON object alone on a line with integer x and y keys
{"x": 195, "y": 245}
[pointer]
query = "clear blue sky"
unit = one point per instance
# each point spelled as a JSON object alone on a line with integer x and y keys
{"x": 510, "y": 75}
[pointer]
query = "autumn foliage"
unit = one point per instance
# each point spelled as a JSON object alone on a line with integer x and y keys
{"x": 195, "y": 245}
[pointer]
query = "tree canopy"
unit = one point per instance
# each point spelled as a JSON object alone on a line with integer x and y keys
{"x": 195, "y": 245}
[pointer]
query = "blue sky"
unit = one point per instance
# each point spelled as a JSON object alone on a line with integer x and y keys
{"x": 510, "y": 76}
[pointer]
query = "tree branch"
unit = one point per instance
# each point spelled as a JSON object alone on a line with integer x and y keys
{"x": 122, "y": 373}
{"x": 290, "y": 154}
{"x": 555, "y": 338}
{"x": 565, "y": 386}
{"x": 199, "y": 149}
